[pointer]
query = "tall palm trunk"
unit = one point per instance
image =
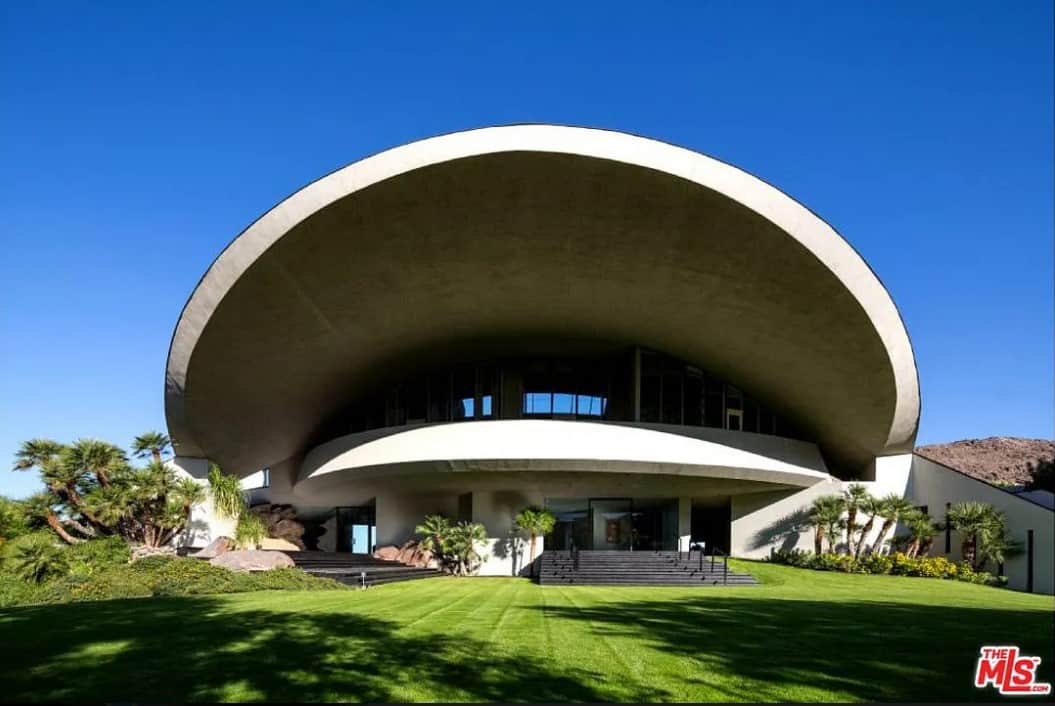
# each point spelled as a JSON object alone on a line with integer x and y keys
{"x": 968, "y": 549}
{"x": 818, "y": 540}
{"x": 925, "y": 546}
{"x": 55, "y": 524}
{"x": 913, "y": 548}
{"x": 533, "y": 536}
{"x": 156, "y": 453}
{"x": 864, "y": 535}
{"x": 877, "y": 546}
{"x": 851, "y": 525}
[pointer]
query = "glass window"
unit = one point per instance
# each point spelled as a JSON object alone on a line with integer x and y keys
{"x": 713, "y": 414}
{"x": 563, "y": 403}
{"x": 439, "y": 398}
{"x": 416, "y": 397}
{"x": 693, "y": 411}
{"x": 590, "y": 406}
{"x": 464, "y": 393}
{"x": 538, "y": 403}
{"x": 487, "y": 385}
{"x": 650, "y": 396}
{"x": 750, "y": 415}
{"x": 672, "y": 398}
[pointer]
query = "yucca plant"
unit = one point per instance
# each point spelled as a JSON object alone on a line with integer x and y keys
{"x": 249, "y": 531}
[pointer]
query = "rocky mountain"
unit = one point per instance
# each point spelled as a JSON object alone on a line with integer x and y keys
{"x": 997, "y": 459}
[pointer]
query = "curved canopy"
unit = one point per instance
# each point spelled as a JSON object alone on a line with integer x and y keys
{"x": 534, "y": 231}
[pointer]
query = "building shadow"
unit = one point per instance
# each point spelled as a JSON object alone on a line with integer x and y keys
{"x": 197, "y": 649}
{"x": 781, "y": 650}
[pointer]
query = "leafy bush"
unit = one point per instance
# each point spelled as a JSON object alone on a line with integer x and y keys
{"x": 897, "y": 564}
{"x": 95, "y": 555}
{"x": 35, "y": 557}
{"x": 155, "y": 576}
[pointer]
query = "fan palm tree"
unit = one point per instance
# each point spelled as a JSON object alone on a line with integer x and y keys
{"x": 42, "y": 505}
{"x": 872, "y": 507}
{"x": 35, "y": 558}
{"x": 462, "y": 540}
{"x": 982, "y": 531}
{"x": 434, "y": 532}
{"x": 99, "y": 458}
{"x": 35, "y": 453}
{"x": 921, "y": 530}
{"x": 826, "y": 516}
{"x": 854, "y": 497}
{"x": 537, "y": 522}
{"x": 153, "y": 444}
{"x": 893, "y": 507}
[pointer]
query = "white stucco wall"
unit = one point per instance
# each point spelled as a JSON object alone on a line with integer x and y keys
{"x": 933, "y": 484}
{"x": 777, "y": 519}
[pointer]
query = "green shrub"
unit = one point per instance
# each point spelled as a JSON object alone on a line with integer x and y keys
{"x": 36, "y": 557}
{"x": 896, "y": 564}
{"x": 90, "y": 557}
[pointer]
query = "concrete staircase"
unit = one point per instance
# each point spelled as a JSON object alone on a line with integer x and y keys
{"x": 640, "y": 568}
{"x": 349, "y": 568}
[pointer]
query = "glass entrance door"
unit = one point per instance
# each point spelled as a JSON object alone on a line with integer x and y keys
{"x": 612, "y": 523}
{"x": 356, "y": 531}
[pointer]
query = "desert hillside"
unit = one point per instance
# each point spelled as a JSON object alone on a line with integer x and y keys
{"x": 998, "y": 459}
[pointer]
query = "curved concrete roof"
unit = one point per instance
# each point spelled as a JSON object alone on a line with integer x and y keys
{"x": 543, "y": 231}
{"x": 565, "y": 446}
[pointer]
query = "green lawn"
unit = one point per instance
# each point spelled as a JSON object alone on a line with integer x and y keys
{"x": 802, "y": 635}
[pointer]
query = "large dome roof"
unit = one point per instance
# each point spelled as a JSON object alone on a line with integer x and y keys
{"x": 535, "y": 231}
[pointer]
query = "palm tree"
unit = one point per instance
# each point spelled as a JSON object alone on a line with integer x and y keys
{"x": 434, "y": 533}
{"x": 152, "y": 443}
{"x": 537, "y": 523}
{"x": 982, "y": 531}
{"x": 826, "y": 516}
{"x": 893, "y": 506}
{"x": 873, "y": 507}
{"x": 461, "y": 544}
{"x": 99, "y": 458}
{"x": 35, "y": 453}
{"x": 854, "y": 497}
{"x": 42, "y": 505}
{"x": 35, "y": 558}
{"x": 921, "y": 532}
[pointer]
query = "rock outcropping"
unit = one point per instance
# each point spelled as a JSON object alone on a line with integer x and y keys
{"x": 218, "y": 546}
{"x": 280, "y": 521}
{"x": 252, "y": 560}
{"x": 997, "y": 459}
{"x": 410, "y": 553}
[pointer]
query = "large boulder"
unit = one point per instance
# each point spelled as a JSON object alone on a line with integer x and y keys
{"x": 282, "y": 545}
{"x": 218, "y": 546}
{"x": 142, "y": 551}
{"x": 280, "y": 522}
{"x": 252, "y": 560}
{"x": 409, "y": 553}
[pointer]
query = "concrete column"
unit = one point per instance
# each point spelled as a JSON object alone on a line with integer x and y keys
{"x": 684, "y": 523}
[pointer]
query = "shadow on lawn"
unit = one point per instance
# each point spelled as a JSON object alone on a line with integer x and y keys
{"x": 874, "y": 651}
{"x": 197, "y": 649}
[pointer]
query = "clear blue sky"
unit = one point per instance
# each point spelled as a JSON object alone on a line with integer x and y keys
{"x": 137, "y": 139}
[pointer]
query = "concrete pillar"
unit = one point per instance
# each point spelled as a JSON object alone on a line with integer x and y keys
{"x": 684, "y": 523}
